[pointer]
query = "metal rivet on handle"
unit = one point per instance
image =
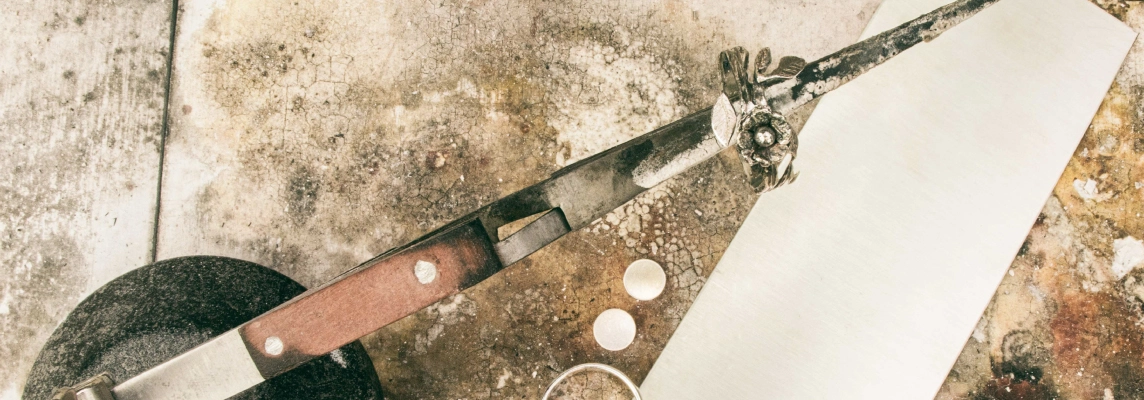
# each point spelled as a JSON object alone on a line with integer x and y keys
{"x": 273, "y": 346}
{"x": 425, "y": 271}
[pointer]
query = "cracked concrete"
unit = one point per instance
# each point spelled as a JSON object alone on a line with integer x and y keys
{"x": 310, "y": 136}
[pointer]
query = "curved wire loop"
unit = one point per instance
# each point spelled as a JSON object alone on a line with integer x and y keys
{"x": 594, "y": 366}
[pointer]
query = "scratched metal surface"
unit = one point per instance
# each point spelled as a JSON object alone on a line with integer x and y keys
{"x": 309, "y": 136}
{"x": 931, "y": 243}
{"x": 1066, "y": 322}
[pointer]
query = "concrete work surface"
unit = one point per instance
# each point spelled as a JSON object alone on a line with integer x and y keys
{"x": 310, "y": 136}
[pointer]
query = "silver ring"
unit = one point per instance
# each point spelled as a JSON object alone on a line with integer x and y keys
{"x": 600, "y": 367}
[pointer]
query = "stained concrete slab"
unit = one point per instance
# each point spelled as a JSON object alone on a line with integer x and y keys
{"x": 81, "y": 102}
{"x": 309, "y": 136}
{"x": 399, "y": 72}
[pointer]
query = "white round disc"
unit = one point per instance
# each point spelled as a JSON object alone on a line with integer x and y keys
{"x": 614, "y": 329}
{"x": 644, "y": 279}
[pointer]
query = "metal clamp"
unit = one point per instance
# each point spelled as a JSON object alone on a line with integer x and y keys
{"x": 767, "y": 144}
{"x": 594, "y": 366}
{"x": 96, "y": 388}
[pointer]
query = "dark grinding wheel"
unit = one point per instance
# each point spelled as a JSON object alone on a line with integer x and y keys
{"x": 158, "y": 311}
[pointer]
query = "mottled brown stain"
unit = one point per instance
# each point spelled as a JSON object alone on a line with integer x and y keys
{"x": 1118, "y": 8}
{"x": 1108, "y": 154}
{"x": 460, "y": 120}
{"x": 1006, "y": 388}
{"x": 384, "y": 149}
{"x": 1098, "y": 345}
{"x": 379, "y": 180}
{"x": 302, "y": 195}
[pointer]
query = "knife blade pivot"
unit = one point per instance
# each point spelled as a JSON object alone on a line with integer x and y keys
{"x": 767, "y": 144}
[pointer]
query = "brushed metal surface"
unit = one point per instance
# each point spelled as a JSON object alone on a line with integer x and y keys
{"x": 918, "y": 183}
{"x": 217, "y": 369}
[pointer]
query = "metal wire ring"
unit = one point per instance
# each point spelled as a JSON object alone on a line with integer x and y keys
{"x": 601, "y": 367}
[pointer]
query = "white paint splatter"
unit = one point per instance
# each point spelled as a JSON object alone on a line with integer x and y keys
{"x": 1086, "y": 189}
{"x": 979, "y": 330}
{"x": 339, "y": 358}
{"x": 10, "y": 393}
{"x": 447, "y": 312}
{"x": 1037, "y": 293}
{"x": 503, "y": 379}
{"x": 4, "y": 303}
{"x": 1128, "y": 252}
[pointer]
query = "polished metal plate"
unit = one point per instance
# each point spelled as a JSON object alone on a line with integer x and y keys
{"x": 918, "y": 183}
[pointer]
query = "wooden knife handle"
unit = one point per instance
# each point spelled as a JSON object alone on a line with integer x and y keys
{"x": 391, "y": 288}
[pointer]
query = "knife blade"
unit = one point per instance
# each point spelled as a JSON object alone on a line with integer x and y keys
{"x": 463, "y": 253}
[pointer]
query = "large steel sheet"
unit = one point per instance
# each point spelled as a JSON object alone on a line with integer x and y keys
{"x": 919, "y": 182}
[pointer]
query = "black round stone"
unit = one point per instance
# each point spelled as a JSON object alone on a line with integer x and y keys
{"x": 159, "y": 311}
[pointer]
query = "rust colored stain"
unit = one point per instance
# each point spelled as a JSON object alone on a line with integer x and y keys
{"x": 1006, "y": 388}
{"x": 1098, "y": 345}
{"x": 331, "y": 131}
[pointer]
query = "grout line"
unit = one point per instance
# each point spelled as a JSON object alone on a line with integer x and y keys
{"x": 164, "y": 131}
